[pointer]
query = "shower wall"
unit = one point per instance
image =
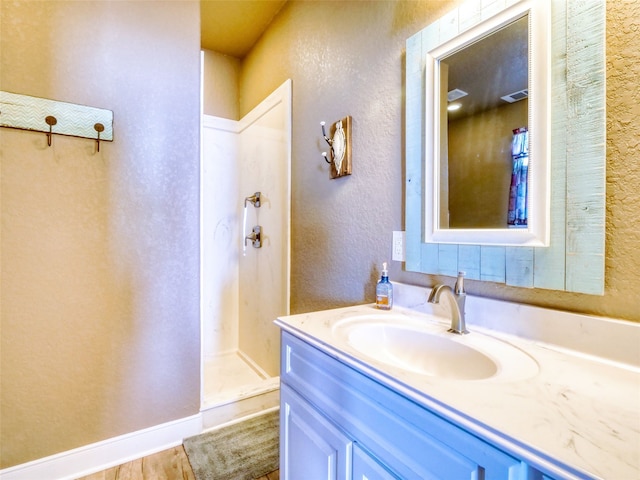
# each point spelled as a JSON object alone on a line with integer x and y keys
{"x": 244, "y": 290}
{"x": 221, "y": 231}
{"x": 265, "y": 164}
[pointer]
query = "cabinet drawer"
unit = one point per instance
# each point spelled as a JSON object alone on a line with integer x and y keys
{"x": 409, "y": 439}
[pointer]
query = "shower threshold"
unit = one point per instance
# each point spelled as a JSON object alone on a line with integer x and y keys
{"x": 234, "y": 387}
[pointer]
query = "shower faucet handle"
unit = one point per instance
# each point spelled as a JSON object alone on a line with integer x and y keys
{"x": 254, "y": 199}
{"x": 255, "y": 236}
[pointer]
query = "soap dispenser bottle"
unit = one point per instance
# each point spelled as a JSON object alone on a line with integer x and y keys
{"x": 384, "y": 290}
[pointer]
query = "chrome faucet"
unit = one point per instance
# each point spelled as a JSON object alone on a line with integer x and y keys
{"x": 456, "y": 298}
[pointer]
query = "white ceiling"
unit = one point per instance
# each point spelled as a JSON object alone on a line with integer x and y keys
{"x": 232, "y": 27}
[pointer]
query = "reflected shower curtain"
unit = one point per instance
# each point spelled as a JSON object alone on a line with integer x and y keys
{"x": 517, "y": 216}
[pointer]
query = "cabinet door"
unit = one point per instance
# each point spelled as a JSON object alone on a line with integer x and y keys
{"x": 311, "y": 447}
{"x": 365, "y": 467}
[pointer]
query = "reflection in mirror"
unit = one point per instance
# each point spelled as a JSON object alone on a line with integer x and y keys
{"x": 484, "y": 140}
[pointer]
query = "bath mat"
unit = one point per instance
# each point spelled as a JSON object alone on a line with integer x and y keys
{"x": 243, "y": 451}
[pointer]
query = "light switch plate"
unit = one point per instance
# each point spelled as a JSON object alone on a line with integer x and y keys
{"x": 397, "y": 252}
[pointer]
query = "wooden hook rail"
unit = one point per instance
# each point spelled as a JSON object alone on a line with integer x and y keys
{"x": 53, "y": 117}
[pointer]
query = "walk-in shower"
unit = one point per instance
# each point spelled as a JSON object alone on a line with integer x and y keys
{"x": 245, "y": 219}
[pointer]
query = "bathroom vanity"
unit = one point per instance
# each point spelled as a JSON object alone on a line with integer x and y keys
{"x": 367, "y": 394}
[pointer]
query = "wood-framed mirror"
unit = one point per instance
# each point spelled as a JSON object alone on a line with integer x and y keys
{"x": 574, "y": 259}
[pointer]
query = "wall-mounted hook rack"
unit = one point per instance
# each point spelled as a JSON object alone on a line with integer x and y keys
{"x": 339, "y": 141}
{"x": 42, "y": 115}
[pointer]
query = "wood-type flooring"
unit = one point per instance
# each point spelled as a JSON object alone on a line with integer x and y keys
{"x": 171, "y": 464}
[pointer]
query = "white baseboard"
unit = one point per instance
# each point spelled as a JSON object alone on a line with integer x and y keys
{"x": 107, "y": 453}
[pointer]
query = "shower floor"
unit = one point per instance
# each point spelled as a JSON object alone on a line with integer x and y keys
{"x": 230, "y": 377}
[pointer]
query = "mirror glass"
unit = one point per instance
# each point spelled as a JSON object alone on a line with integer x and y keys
{"x": 484, "y": 121}
{"x": 487, "y": 124}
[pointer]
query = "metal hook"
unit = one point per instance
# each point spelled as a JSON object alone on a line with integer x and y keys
{"x": 329, "y": 141}
{"x": 324, "y": 133}
{"x": 51, "y": 121}
{"x": 99, "y": 128}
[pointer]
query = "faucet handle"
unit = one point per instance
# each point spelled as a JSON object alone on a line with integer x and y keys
{"x": 458, "y": 289}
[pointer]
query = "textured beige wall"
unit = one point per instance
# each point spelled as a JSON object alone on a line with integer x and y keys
{"x": 100, "y": 256}
{"x": 347, "y": 58}
{"x": 220, "y": 85}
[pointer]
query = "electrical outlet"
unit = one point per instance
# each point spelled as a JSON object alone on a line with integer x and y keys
{"x": 397, "y": 251}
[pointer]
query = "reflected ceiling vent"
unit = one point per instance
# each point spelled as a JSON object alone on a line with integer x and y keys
{"x": 455, "y": 94}
{"x": 516, "y": 96}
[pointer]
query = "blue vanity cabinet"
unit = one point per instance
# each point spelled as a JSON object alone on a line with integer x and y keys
{"x": 311, "y": 447}
{"x": 338, "y": 423}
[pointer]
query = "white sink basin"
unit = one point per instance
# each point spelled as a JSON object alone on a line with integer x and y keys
{"x": 426, "y": 348}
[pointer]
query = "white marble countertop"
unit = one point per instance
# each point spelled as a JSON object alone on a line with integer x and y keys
{"x": 581, "y": 410}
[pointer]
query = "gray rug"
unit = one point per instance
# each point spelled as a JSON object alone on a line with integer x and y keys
{"x": 244, "y": 451}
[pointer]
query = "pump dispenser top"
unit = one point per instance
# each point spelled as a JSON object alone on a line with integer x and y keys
{"x": 384, "y": 290}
